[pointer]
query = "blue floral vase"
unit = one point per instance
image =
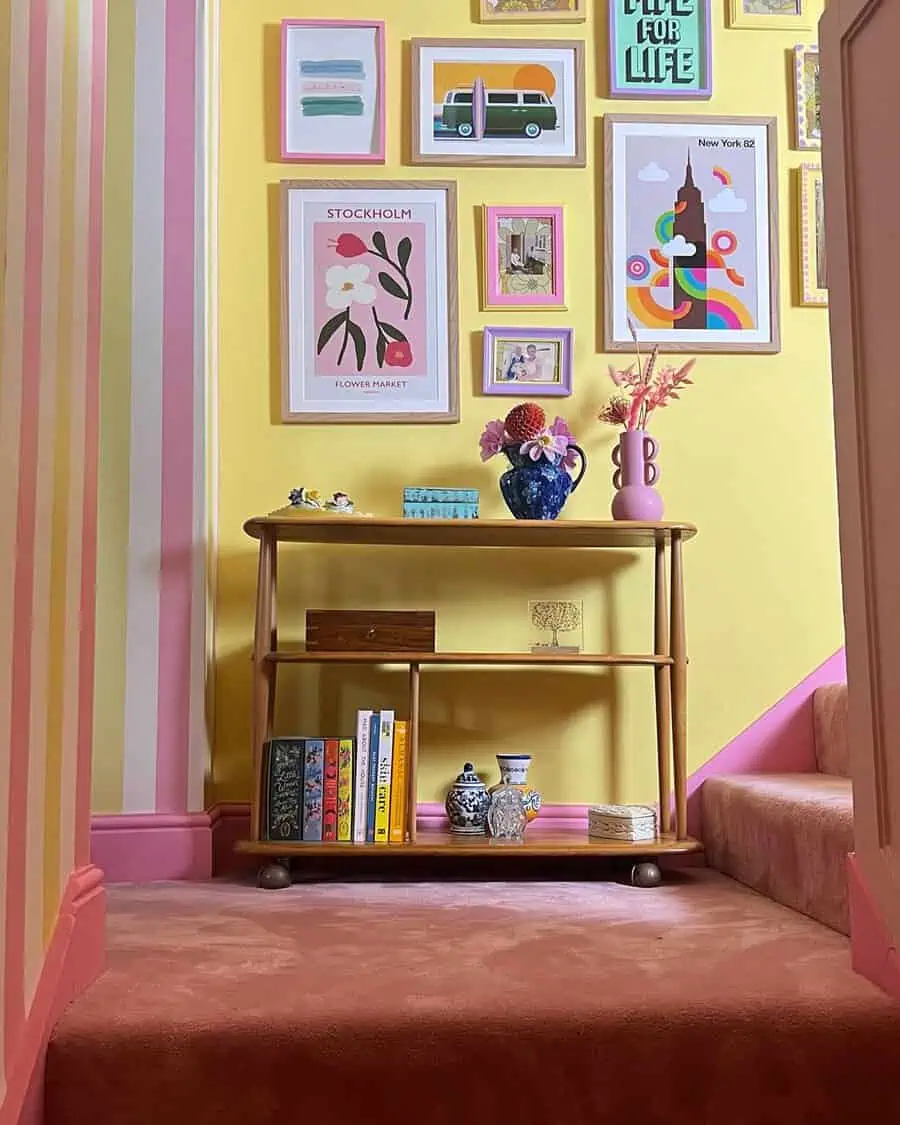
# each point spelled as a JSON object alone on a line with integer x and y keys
{"x": 538, "y": 490}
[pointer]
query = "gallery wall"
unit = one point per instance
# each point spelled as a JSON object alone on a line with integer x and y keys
{"x": 52, "y": 102}
{"x": 747, "y": 454}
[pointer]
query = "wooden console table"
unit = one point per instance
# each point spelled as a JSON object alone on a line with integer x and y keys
{"x": 668, "y": 659}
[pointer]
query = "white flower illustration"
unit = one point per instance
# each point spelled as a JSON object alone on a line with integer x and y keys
{"x": 348, "y": 285}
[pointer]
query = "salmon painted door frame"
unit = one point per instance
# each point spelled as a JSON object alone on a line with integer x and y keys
{"x": 860, "y": 84}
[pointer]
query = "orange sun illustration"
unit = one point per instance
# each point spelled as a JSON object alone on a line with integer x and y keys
{"x": 532, "y": 76}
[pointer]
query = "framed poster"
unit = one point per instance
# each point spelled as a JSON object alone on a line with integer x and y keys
{"x": 807, "y": 114}
{"x": 332, "y": 91}
{"x": 813, "y": 282}
{"x": 533, "y": 11}
{"x": 527, "y": 361}
{"x": 769, "y": 15}
{"x": 523, "y": 258}
{"x": 691, "y": 233}
{"x": 498, "y": 102}
{"x": 660, "y": 56}
{"x": 369, "y": 302}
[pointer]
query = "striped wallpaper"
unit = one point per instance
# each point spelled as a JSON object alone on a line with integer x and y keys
{"x": 150, "y": 744}
{"x": 52, "y": 103}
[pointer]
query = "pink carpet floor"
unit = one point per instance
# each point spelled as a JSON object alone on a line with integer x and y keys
{"x": 457, "y": 1003}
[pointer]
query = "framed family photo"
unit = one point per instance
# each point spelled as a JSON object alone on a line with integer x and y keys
{"x": 813, "y": 281}
{"x": 533, "y": 11}
{"x": 369, "y": 301}
{"x": 333, "y": 91}
{"x": 654, "y": 57}
{"x": 532, "y": 361}
{"x": 498, "y": 102}
{"x": 523, "y": 258}
{"x": 691, "y": 233}
{"x": 769, "y": 15}
{"x": 807, "y": 113}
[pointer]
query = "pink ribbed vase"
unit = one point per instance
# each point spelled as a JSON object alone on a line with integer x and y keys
{"x": 634, "y": 479}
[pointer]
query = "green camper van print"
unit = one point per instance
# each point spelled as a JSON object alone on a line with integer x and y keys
{"x": 519, "y": 112}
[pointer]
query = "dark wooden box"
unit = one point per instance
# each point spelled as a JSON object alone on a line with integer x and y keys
{"x": 369, "y": 630}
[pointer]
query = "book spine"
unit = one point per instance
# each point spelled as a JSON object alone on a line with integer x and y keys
{"x": 383, "y": 791}
{"x": 330, "y": 791}
{"x": 361, "y": 780}
{"x": 345, "y": 790}
{"x": 398, "y": 782}
{"x": 283, "y": 798}
{"x": 374, "y": 729}
{"x": 313, "y": 783}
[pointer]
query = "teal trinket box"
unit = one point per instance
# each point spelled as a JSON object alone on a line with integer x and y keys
{"x": 440, "y": 503}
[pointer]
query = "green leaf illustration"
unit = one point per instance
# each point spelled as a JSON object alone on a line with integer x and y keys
{"x": 379, "y": 243}
{"x": 328, "y": 330}
{"x": 394, "y": 333}
{"x": 390, "y": 286}
{"x": 359, "y": 343}
{"x": 380, "y": 349}
{"x": 404, "y": 250}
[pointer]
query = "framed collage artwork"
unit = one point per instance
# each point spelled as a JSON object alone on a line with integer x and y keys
{"x": 498, "y": 102}
{"x": 807, "y": 113}
{"x": 533, "y": 11}
{"x": 770, "y": 15}
{"x": 333, "y": 91}
{"x": 369, "y": 302}
{"x": 813, "y": 280}
{"x": 527, "y": 361}
{"x": 654, "y": 57}
{"x": 691, "y": 233}
{"x": 524, "y": 263}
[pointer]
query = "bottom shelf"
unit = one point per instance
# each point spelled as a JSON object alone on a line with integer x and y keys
{"x": 537, "y": 842}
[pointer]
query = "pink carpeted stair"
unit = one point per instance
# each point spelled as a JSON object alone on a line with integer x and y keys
{"x": 788, "y": 835}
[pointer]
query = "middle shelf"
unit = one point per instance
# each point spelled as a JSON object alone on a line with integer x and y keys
{"x": 589, "y": 659}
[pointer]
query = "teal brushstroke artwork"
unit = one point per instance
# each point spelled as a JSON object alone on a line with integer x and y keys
{"x": 332, "y": 107}
{"x": 332, "y": 68}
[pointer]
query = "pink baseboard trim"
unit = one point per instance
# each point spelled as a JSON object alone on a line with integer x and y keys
{"x": 75, "y": 957}
{"x": 150, "y": 847}
{"x": 779, "y": 741}
{"x": 873, "y": 954}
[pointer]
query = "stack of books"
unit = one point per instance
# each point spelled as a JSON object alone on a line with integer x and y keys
{"x": 341, "y": 790}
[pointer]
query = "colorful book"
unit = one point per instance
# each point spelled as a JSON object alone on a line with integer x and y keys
{"x": 330, "y": 791}
{"x": 282, "y": 794}
{"x": 361, "y": 776}
{"x": 313, "y": 786}
{"x": 383, "y": 789}
{"x": 399, "y": 772}
{"x": 345, "y": 791}
{"x": 374, "y": 734}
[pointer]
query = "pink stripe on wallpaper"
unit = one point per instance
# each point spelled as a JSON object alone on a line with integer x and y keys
{"x": 176, "y": 552}
{"x": 14, "y": 1013}
{"x": 92, "y": 441}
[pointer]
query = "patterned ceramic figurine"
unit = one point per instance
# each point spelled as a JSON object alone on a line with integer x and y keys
{"x": 507, "y": 818}
{"x": 514, "y": 771}
{"x": 305, "y": 498}
{"x": 467, "y": 804}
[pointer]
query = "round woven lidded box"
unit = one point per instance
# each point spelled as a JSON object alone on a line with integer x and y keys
{"x": 622, "y": 822}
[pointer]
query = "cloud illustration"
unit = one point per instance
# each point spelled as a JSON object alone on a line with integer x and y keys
{"x": 727, "y": 202}
{"x": 652, "y": 173}
{"x": 679, "y": 247}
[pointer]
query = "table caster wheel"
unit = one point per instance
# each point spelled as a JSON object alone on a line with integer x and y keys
{"x": 274, "y": 876}
{"x": 646, "y": 874}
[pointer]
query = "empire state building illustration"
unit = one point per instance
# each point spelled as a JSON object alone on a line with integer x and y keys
{"x": 689, "y": 281}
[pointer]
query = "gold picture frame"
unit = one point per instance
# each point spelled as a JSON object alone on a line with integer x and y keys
{"x": 770, "y": 15}
{"x": 813, "y": 279}
{"x": 566, "y": 11}
{"x": 807, "y": 119}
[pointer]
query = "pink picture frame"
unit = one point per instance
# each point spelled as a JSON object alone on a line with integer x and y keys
{"x": 333, "y": 100}
{"x": 524, "y": 258}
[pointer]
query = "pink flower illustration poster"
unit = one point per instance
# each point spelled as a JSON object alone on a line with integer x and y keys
{"x": 369, "y": 308}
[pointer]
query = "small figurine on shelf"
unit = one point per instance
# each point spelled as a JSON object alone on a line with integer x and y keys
{"x": 309, "y": 498}
{"x": 341, "y": 502}
{"x": 507, "y": 818}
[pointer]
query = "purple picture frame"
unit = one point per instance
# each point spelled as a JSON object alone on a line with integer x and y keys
{"x": 376, "y": 154}
{"x": 658, "y": 91}
{"x": 525, "y": 385}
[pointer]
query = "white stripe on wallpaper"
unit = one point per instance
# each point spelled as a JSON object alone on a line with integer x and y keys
{"x": 43, "y": 511}
{"x": 75, "y": 501}
{"x": 144, "y": 530}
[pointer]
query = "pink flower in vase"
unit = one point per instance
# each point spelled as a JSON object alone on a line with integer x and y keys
{"x": 554, "y": 447}
{"x": 560, "y": 429}
{"x": 492, "y": 439}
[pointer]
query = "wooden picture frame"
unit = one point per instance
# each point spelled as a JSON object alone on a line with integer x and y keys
{"x": 567, "y": 11}
{"x": 333, "y": 91}
{"x": 811, "y": 241}
{"x": 807, "y": 116}
{"x": 498, "y": 102}
{"x": 769, "y": 15}
{"x": 649, "y": 61}
{"x": 369, "y": 311}
{"x": 721, "y": 295}
{"x": 517, "y": 361}
{"x": 524, "y": 258}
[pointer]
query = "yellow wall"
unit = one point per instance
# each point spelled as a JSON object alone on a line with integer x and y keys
{"x": 747, "y": 455}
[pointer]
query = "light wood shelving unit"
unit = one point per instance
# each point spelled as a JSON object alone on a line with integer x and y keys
{"x": 668, "y": 661}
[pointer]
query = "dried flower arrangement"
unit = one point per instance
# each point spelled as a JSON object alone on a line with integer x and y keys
{"x": 643, "y": 389}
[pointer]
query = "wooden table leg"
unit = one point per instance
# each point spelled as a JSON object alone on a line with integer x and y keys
{"x": 662, "y": 685}
{"x": 262, "y": 677}
{"x": 679, "y": 687}
{"x": 272, "y": 642}
{"x": 413, "y": 749}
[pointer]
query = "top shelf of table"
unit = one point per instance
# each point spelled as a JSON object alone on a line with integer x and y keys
{"x": 292, "y": 525}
